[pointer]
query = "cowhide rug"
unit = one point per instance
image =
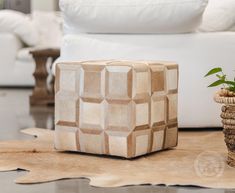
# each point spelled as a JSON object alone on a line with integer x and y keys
{"x": 199, "y": 159}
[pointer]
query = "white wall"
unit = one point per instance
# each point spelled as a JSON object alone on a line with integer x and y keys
{"x": 44, "y": 5}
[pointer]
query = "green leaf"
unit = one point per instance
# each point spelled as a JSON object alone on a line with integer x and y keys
{"x": 231, "y": 89}
{"x": 221, "y": 77}
{"x": 216, "y": 83}
{"x": 230, "y": 83}
{"x": 213, "y": 71}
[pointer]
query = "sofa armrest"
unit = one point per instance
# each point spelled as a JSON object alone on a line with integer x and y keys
{"x": 9, "y": 47}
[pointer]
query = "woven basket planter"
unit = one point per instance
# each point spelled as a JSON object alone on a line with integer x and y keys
{"x": 228, "y": 120}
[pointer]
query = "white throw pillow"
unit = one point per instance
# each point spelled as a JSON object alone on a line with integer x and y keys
{"x": 19, "y": 24}
{"x": 132, "y": 16}
{"x": 219, "y": 16}
{"x": 49, "y": 25}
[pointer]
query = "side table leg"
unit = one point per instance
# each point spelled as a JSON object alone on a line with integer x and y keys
{"x": 52, "y": 82}
{"x": 40, "y": 91}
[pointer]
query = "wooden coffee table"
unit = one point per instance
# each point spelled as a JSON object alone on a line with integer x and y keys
{"x": 43, "y": 94}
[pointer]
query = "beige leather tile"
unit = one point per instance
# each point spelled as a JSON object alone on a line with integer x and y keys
{"x": 141, "y": 83}
{"x": 118, "y": 145}
{"x": 68, "y": 80}
{"x": 66, "y": 109}
{"x": 142, "y": 114}
{"x": 172, "y": 79}
{"x": 158, "y": 110}
{"x": 172, "y": 106}
{"x": 69, "y": 77}
{"x": 118, "y": 82}
{"x": 119, "y": 116}
{"x": 142, "y": 142}
{"x": 93, "y": 82}
{"x": 171, "y": 138}
{"x": 92, "y": 115}
{"x": 158, "y": 83}
{"x": 66, "y": 138}
{"x": 158, "y": 139}
{"x": 91, "y": 143}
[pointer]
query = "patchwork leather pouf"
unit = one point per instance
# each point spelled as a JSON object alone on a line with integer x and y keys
{"x": 121, "y": 108}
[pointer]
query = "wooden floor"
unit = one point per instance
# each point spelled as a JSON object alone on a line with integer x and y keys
{"x": 16, "y": 114}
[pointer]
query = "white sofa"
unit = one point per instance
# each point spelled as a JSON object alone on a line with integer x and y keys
{"x": 16, "y": 64}
{"x": 195, "y": 52}
{"x": 19, "y": 34}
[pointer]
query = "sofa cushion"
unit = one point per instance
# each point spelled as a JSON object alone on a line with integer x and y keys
{"x": 219, "y": 16}
{"x": 19, "y": 24}
{"x": 49, "y": 25}
{"x": 132, "y": 16}
{"x": 24, "y": 54}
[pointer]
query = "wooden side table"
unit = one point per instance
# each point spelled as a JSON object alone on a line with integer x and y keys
{"x": 42, "y": 94}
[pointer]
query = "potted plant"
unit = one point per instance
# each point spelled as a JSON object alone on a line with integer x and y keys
{"x": 226, "y": 96}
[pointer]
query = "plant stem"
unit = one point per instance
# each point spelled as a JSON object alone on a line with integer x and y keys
{"x": 224, "y": 79}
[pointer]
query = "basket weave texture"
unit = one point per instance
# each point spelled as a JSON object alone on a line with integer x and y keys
{"x": 224, "y": 100}
{"x": 228, "y": 120}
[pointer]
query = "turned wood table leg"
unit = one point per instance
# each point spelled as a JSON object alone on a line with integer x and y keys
{"x": 52, "y": 82}
{"x": 40, "y": 75}
{"x": 43, "y": 93}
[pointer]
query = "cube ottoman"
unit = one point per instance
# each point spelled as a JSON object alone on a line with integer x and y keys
{"x": 120, "y": 108}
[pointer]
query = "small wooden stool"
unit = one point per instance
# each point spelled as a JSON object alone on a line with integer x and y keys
{"x": 42, "y": 94}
